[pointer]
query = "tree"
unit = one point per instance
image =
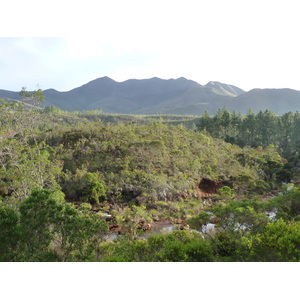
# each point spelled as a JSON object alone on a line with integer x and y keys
{"x": 37, "y": 219}
{"x": 221, "y": 123}
{"x": 279, "y": 242}
{"x": 24, "y": 166}
{"x": 35, "y": 98}
{"x": 234, "y": 132}
{"x": 295, "y": 134}
{"x": 84, "y": 186}
{"x": 248, "y": 128}
{"x": 10, "y": 233}
{"x": 266, "y": 127}
{"x": 93, "y": 191}
{"x": 78, "y": 234}
{"x": 51, "y": 109}
{"x": 285, "y": 130}
{"x": 205, "y": 122}
{"x": 241, "y": 216}
{"x": 47, "y": 229}
{"x": 287, "y": 205}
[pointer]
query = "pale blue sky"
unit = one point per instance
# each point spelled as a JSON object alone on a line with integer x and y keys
{"x": 245, "y": 43}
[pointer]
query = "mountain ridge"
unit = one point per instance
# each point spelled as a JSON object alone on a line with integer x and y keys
{"x": 166, "y": 96}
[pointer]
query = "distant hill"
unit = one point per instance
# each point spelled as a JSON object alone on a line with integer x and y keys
{"x": 147, "y": 96}
{"x": 277, "y": 100}
{"x": 172, "y": 96}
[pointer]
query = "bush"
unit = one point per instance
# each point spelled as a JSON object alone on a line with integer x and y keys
{"x": 92, "y": 190}
{"x": 287, "y": 205}
{"x": 9, "y": 233}
{"x": 84, "y": 186}
{"x": 197, "y": 251}
{"x": 259, "y": 187}
{"x": 172, "y": 251}
{"x": 201, "y": 219}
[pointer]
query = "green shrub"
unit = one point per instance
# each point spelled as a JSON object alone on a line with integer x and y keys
{"x": 197, "y": 251}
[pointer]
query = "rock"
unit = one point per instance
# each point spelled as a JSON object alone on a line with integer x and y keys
{"x": 184, "y": 227}
{"x": 213, "y": 220}
{"x": 146, "y": 226}
{"x": 177, "y": 221}
{"x": 295, "y": 181}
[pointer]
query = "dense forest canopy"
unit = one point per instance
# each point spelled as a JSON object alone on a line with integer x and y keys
{"x": 87, "y": 186}
{"x": 257, "y": 130}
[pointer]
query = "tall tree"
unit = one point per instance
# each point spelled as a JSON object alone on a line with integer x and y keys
{"x": 285, "y": 132}
{"x": 266, "y": 127}
{"x": 221, "y": 123}
{"x": 205, "y": 122}
{"x": 248, "y": 128}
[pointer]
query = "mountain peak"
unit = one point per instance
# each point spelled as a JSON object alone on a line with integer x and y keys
{"x": 225, "y": 89}
{"x": 103, "y": 79}
{"x": 100, "y": 81}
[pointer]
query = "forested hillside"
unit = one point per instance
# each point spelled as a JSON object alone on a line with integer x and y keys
{"x": 254, "y": 130}
{"x": 75, "y": 188}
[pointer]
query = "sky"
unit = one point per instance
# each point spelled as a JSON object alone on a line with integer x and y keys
{"x": 64, "y": 44}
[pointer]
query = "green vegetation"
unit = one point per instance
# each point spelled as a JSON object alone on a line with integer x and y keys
{"x": 70, "y": 182}
{"x": 254, "y": 130}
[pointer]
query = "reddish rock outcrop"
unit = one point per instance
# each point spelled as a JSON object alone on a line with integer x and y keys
{"x": 207, "y": 187}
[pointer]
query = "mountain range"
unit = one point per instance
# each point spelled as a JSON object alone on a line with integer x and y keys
{"x": 161, "y": 96}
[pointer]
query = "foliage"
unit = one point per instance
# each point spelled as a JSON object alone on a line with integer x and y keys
{"x": 35, "y": 97}
{"x": 84, "y": 186}
{"x": 279, "y": 242}
{"x": 178, "y": 246}
{"x": 254, "y": 130}
{"x": 10, "y": 233}
{"x": 24, "y": 167}
{"x": 64, "y": 177}
{"x": 287, "y": 205}
{"x": 45, "y": 229}
{"x": 198, "y": 221}
{"x": 241, "y": 216}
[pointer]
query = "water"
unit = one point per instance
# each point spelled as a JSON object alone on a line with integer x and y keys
{"x": 271, "y": 214}
{"x": 166, "y": 227}
{"x": 209, "y": 228}
{"x": 163, "y": 228}
{"x": 110, "y": 237}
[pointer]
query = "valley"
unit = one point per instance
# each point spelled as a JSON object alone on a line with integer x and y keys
{"x": 94, "y": 186}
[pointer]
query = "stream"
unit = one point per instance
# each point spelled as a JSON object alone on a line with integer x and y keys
{"x": 166, "y": 227}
